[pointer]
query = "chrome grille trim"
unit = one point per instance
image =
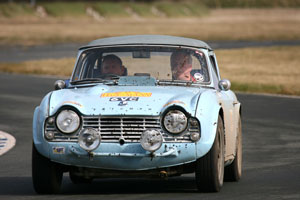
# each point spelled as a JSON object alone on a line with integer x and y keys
{"x": 127, "y": 128}
{"x": 116, "y": 127}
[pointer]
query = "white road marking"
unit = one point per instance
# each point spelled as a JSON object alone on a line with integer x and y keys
{"x": 7, "y": 142}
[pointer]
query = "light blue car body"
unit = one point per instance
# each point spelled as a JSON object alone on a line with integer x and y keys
{"x": 205, "y": 103}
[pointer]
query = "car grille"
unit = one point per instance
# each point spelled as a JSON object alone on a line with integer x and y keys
{"x": 113, "y": 129}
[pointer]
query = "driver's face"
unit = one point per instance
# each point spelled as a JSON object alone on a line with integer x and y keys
{"x": 111, "y": 66}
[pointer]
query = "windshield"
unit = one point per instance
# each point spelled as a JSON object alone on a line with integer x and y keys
{"x": 162, "y": 63}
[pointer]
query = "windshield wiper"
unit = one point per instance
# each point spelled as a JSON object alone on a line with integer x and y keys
{"x": 175, "y": 82}
{"x": 88, "y": 80}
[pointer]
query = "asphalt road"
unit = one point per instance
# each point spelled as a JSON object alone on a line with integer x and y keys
{"x": 271, "y": 166}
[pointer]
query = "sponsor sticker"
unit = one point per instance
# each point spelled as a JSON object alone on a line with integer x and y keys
{"x": 58, "y": 150}
{"x": 200, "y": 53}
{"x": 127, "y": 94}
{"x": 198, "y": 77}
{"x": 124, "y": 99}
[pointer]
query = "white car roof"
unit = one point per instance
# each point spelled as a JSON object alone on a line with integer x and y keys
{"x": 148, "y": 40}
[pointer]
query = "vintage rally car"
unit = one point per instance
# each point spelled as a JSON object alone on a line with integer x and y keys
{"x": 139, "y": 106}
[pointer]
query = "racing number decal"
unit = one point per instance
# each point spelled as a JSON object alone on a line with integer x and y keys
{"x": 124, "y": 97}
{"x": 123, "y": 100}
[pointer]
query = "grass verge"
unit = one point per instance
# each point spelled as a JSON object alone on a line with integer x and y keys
{"x": 61, "y": 9}
{"x": 220, "y": 24}
{"x": 251, "y": 3}
{"x": 269, "y": 69}
{"x": 59, "y": 67}
{"x": 107, "y": 8}
{"x": 260, "y": 70}
{"x": 173, "y": 8}
{"x": 15, "y": 10}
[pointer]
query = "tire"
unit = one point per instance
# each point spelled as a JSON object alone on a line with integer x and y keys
{"x": 78, "y": 179}
{"x": 210, "y": 168}
{"x": 233, "y": 172}
{"x": 46, "y": 175}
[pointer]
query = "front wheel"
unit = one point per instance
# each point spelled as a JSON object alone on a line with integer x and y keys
{"x": 46, "y": 175}
{"x": 210, "y": 168}
{"x": 233, "y": 172}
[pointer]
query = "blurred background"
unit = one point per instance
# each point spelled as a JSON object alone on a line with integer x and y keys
{"x": 257, "y": 42}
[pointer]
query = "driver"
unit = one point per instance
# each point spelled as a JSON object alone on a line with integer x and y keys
{"x": 112, "y": 64}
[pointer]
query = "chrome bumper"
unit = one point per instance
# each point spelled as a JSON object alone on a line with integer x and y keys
{"x": 170, "y": 151}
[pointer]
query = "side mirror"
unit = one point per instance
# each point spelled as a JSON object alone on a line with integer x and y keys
{"x": 224, "y": 84}
{"x": 59, "y": 84}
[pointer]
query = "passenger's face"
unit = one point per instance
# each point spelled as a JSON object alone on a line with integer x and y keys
{"x": 182, "y": 68}
{"x": 112, "y": 66}
{"x": 185, "y": 74}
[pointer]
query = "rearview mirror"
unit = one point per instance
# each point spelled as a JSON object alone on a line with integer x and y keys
{"x": 224, "y": 84}
{"x": 141, "y": 54}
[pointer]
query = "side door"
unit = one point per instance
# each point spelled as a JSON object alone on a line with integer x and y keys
{"x": 226, "y": 100}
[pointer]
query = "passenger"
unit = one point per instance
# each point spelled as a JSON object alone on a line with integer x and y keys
{"x": 112, "y": 64}
{"x": 181, "y": 66}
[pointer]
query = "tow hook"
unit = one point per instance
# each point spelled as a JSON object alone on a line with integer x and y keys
{"x": 163, "y": 174}
{"x": 91, "y": 155}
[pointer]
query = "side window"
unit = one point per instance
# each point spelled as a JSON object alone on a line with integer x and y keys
{"x": 78, "y": 67}
{"x": 213, "y": 63}
{"x": 214, "y": 71}
{"x": 88, "y": 65}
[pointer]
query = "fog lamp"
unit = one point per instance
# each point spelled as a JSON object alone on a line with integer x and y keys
{"x": 49, "y": 135}
{"x": 151, "y": 140}
{"x": 51, "y": 120}
{"x": 89, "y": 139}
{"x": 194, "y": 122}
{"x": 195, "y": 136}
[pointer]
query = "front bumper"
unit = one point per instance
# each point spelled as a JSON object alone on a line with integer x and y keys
{"x": 172, "y": 151}
{"x": 131, "y": 156}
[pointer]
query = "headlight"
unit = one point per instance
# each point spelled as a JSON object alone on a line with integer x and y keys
{"x": 67, "y": 121}
{"x": 175, "y": 121}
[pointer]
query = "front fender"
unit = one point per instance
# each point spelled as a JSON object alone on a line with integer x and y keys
{"x": 207, "y": 112}
{"x": 40, "y": 114}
